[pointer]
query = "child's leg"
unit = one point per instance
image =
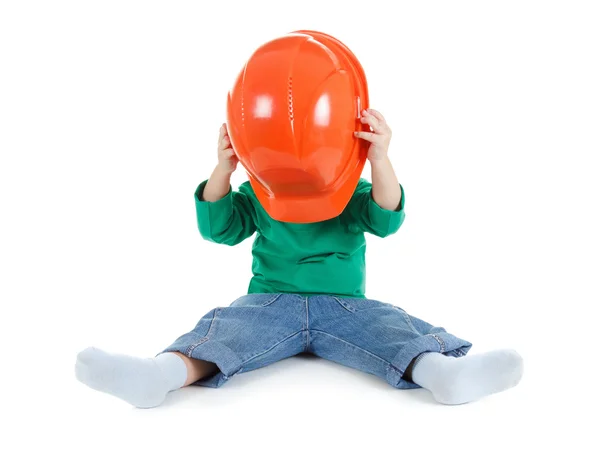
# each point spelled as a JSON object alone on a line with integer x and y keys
{"x": 143, "y": 382}
{"x": 197, "y": 369}
{"x": 382, "y": 339}
{"x": 254, "y": 331}
{"x": 454, "y": 381}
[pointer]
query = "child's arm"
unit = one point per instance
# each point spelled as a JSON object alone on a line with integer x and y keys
{"x": 377, "y": 207}
{"x": 217, "y": 186}
{"x": 386, "y": 189}
{"x": 219, "y": 182}
{"x": 224, "y": 216}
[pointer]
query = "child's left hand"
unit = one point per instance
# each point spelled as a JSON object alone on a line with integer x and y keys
{"x": 380, "y": 137}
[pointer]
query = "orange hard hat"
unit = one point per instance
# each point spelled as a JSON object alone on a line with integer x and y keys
{"x": 291, "y": 117}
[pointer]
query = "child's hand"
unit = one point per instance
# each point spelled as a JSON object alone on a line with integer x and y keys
{"x": 380, "y": 137}
{"x": 227, "y": 160}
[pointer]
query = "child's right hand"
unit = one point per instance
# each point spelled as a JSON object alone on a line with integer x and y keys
{"x": 227, "y": 160}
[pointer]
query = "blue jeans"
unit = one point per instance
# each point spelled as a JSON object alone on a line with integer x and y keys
{"x": 260, "y": 329}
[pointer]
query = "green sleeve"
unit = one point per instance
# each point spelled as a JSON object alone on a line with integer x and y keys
{"x": 362, "y": 214}
{"x": 227, "y": 221}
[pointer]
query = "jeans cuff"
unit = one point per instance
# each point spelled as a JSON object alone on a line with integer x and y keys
{"x": 441, "y": 342}
{"x": 212, "y": 351}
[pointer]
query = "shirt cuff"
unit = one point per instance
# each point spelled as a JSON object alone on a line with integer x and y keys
{"x": 393, "y": 219}
{"x": 212, "y": 215}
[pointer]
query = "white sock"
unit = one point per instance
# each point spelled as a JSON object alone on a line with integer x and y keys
{"x": 143, "y": 382}
{"x": 454, "y": 381}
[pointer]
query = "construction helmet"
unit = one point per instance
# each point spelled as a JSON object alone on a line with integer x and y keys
{"x": 291, "y": 117}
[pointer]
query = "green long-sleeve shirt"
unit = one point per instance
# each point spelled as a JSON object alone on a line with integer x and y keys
{"x": 318, "y": 258}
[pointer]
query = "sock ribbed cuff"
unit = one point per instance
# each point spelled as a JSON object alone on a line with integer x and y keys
{"x": 173, "y": 369}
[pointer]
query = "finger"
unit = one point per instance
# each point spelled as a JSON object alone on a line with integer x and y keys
{"x": 222, "y": 132}
{"x": 371, "y": 137}
{"x": 373, "y": 122}
{"x": 226, "y": 129}
{"x": 377, "y": 114}
{"x": 228, "y": 153}
{"x": 383, "y": 126}
{"x": 224, "y": 143}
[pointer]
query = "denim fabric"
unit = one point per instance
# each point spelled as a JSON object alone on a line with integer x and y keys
{"x": 260, "y": 329}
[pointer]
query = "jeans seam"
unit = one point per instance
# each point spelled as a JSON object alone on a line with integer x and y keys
{"x": 440, "y": 341}
{"x": 345, "y": 305}
{"x": 307, "y": 327}
{"x": 360, "y": 348}
{"x": 271, "y": 300}
{"x": 407, "y": 319}
{"x": 270, "y": 348}
{"x": 460, "y": 352}
{"x": 192, "y": 347}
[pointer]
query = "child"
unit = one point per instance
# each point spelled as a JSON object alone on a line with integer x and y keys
{"x": 306, "y": 295}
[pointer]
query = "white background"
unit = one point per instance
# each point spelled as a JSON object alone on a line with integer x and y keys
{"x": 109, "y": 114}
